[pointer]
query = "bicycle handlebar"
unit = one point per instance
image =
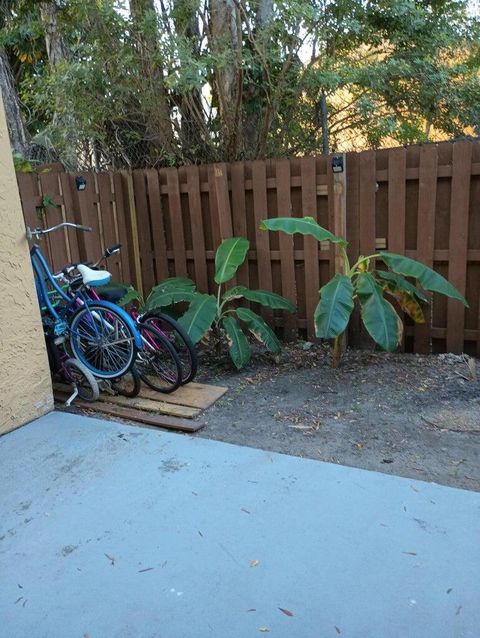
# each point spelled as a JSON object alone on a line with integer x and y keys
{"x": 38, "y": 232}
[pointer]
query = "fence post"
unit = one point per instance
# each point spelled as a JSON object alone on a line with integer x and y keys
{"x": 339, "y": 205}
{"x": 132, "y": 229}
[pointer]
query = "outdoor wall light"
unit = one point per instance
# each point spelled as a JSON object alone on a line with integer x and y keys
{"x": 81, "y": 183}
{"x": 337, "y": 164}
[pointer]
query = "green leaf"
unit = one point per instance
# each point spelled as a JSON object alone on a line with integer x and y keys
{"x": 378, "y": 315}
{"x": 237, "y": 292}
{"x": 174, "y": 284}
{"x": 269, "y": 299}
{"x": 130, "y": 295}
{"x": 397, "y": 282}
{"x": 302, "y": 225}
{"x": 259, "y": 329}
{"x": 263, "y": 297}
{"x": 199, "y": 317}
{"x": 334, "y": 308}
{"x": 239, "y": 348}
{"x": 229, "y": 256}
{"x": 158, "y": 299}
{"x": 428, "y": 278}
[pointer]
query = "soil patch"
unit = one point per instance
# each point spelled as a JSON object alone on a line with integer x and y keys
{"x": 410, "y": 415}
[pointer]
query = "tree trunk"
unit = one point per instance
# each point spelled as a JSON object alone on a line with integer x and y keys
{"x": 54, "y": 43}
{"x": 19, "y": 137}
{"x": 226, "y": 45}
{"x": 194, "y": 134}
{"x": 157, "y": 109}
{"x": 258, "y": 114}
{"x": 57, "y": 55}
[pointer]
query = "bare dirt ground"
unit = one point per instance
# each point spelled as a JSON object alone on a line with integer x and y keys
{"x": 414, "y": 416}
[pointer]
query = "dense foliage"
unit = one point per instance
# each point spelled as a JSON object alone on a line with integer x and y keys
{"x": 104, "y": 83}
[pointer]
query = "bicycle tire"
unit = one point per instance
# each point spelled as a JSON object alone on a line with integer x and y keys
{"x": 157, "y": 363}
{"x": 88, "y": 390}
{"x": 129, "y": 385}
{"x": 102, "y": 340}
{"x": 178, "y": 337}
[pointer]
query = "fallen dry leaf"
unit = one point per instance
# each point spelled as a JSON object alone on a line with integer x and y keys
{"x": 245, "y": 510}
{"x": 249, "y": 610}
{"x": 410, "y": 553}
{"x": 147, "y": 569}
{"x": 264, "y": 630}
{"x": 337, "y": 629}
{"x": 254, "y": 563}
{"x": 287, "y": 612}
{"x": 111, "y": 558}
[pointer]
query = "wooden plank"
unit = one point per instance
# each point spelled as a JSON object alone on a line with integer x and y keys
{"x": 124, "y": 237}
{"x": 59, "y": 254}
{"x": 89, "y": 243}
{"x": 312, "y": 271}
{"x": 157, "y": 420}
{"x": 132, "y": 229}
{"x": 70, "y": 214}
{"x": 367, "y": 224}
{"x": 198, "y": 233}
{"x": 287, "y": 261}
{"x": 193, "y": 395}
{"x": 108, "y": 222}
{"x": 367, "y": 190}
{"x": 353, "y": 233}
{"x": 457, "y": 267}
{"x": 338, "y": 199}
{"x": 30, "y": 198}
{"x": 396, "y": 200}
{"x": 144, "y": 234}
{"x": 427, "y": 189}
{"x": 176, "y": 222}
{"x": 239, "y": 215}
{"x": 144, "y": 403}
{"x": 397, "y": 166}
{"x": 220, "y": 182}
{"x": 260, "y": 208}
{"x": 158, "y": 228}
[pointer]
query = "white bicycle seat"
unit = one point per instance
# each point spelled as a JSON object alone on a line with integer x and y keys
{"x": 92, "y": 277}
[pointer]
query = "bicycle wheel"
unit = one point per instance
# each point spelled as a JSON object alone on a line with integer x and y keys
{"x": 129, "y": 385}
{"x": 102, "y": 340}
{"x": 158, "y": 363}
{"x": 74, "y": 372}
{"x": 178, "y": 337}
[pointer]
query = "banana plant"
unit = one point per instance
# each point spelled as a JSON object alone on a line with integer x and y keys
{"x": 220, "y": 314}
{"x": 373, "y": 289}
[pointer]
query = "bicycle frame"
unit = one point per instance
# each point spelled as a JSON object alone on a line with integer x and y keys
{"x": 71, "y": 302}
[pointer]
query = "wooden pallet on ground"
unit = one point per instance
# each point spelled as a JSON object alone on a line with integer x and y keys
{"x": 174, "y": 411}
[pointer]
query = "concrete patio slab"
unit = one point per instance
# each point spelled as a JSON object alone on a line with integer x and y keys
{"x": 115, "y": 531}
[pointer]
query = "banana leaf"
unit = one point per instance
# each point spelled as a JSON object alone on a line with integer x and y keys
{"x": 229, "y": 256}
{"x": 378, "y": 315}
{"x": 199, "y": 317}
{"x": 239, "y": 348}
{"x": 263, "y": 297}
{"x": 260, "y": 330}
{"x": 334, "y": 308}
{"x": 428, "y": 278}
{"x": 302, "y": 225}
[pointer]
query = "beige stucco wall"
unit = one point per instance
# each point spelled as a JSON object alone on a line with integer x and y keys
{"x": 25, "y": 387}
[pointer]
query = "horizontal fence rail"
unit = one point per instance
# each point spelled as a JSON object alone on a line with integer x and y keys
{"x": 420, "y": 201}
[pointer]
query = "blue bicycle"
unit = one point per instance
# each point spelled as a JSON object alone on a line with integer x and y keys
{"x": 101, "y": 335}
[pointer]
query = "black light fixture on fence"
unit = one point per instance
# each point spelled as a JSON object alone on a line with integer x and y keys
{"x": 80, "y": 183}
{"x": 337, "y": 164}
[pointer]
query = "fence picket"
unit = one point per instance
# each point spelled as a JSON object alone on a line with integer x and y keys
{"x": 176, "y": 221}
{"x": 426, "y": 234}
{"x": 310, "y": 244}
{"x": 457, "y": 265}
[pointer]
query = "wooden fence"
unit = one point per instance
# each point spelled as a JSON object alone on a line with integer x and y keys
{"x": 422, "y": 201}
